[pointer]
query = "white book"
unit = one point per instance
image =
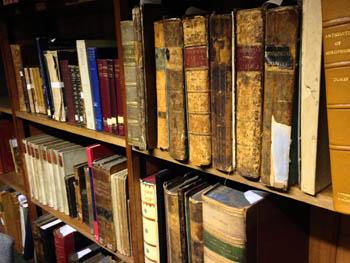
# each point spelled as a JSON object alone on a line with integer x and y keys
{"x": 311, "y": 180}
{"x": 82, "y": 46}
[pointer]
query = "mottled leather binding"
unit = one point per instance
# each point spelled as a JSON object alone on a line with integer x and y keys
{"x": 162, "y": 117}
{"x": 120, "y": 108}
{"x": 79, "y": 186}
{"x": 196, "y": 63}
{"x": 280, "y": 72}
{"x": 38, "y": 242}
{"x": 249, "y": 90}
{"x": 173, "y": 38}
{"x": 68, "y": 90}
{"x": 113, "y": 95}
{"x": 220, "y": 28}
{"x": 105, "y": 91}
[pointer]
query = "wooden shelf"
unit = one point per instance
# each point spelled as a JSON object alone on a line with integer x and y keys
{"x": 64, "y": 126}
{"x": 322, "y": 199}
{"x": 80, "y": 227}
{"x": 14, "y": 180}
{"x": 5, "y": 105}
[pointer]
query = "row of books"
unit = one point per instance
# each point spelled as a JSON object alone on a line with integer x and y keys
{"x": 87, "y": 183}
{"x": 220, "y": 101}
{"x": 14, "y": 220}
{"x": 55, "y": 241}
{"x": 189, "y": 219}
{"x": 9, "y": 153}
{"x": 73, "y": 81}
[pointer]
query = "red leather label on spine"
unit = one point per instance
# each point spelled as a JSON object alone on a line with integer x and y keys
{"x": 249, "y": 58}
{"x": 196, "y": 57}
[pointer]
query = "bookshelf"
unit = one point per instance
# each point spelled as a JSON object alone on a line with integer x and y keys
{"x": 5, "y": 105}
{"x": 14, "y": 180}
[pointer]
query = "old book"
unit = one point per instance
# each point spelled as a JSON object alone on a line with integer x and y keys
{"x": 113, "y": 95}
{"x": 70, "y": 192}
{"x": 18, "y": 67}
{"x": 82, "y": 46}
{"x": 143, "y": 18}
{"x": 64, "y": 243}
{"x": 162, "y": 117}
{"x": 84, "y": 253}
{"x": 79, "y": 181}
{"x": 29, "y": 89}
{"x": 248, "y": 226}
{"x": 46, "y": 234}
{"x": 174, "y": 71}
{"x": 249, "y": 90}
{"x": 196, "y": 63}
{"x": 132, "y": 98}
{"x": 279, "y": 83}
{"x": 39, "y": 89}
{"x": 102, "y": 65}
{"x": 16, "y": 156}
{"x": 120, "y": 107}
{"x": 152, "y": 200}
{"x": 6, "y": 133}
{"x": 77, "y": 98}
{"x": 88, "y": 204}
{"x": 220, "y": 27}
{"x": 336, "y": 51}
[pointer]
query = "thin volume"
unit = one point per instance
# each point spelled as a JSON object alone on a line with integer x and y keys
{"x": 220, "y": 28}
{"x": 173, "y": 38}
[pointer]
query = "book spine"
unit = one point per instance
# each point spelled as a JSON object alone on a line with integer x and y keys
{"x": 197, "y": 89}
{"x": 173, "y": 38}
{"x": 196, "y": 230}
{"x": 42, "y": 105}
{"x": 86, "y": 84}
{"x": 336, "y": 47}
{"x": 113, "y": 95}
{"x": 78, "y": 189}
{"x": 44, "y": 76}
{"x": 162, "y": 117}
{"x": 29, "y": 86}
{"x": 249, "y": 90}
{"x": 279, "y": 81}
{"x": 150, "y": 221}
{"x": 91, "y": 219}
{"x": 68, "y": 90}
{"x": 70, "y": 192}
{"x": 34, "y": 89}
{"x": 220, "y": 27}
{"x": 120, "y": 108}
{"x": 75, "y": 95}
{"x": 95, "y": 86}
{"x": 105, "y": 93}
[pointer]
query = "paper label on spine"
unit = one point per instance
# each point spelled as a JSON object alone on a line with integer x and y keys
{"x": 57, "y": 85}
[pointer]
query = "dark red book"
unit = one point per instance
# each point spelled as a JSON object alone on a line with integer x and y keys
{"x": 64, "y": 243}
{"x": 6, "y": 133}
{"x": 113, "y": 94}
{"x": 68, "y": 90}
{"x": 105, "y": 93}
{"x": 120, "y": 108}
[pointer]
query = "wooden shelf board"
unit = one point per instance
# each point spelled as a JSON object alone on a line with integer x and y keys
{"x": 322, "y": 199}
{"x": 5, "y": 105}
{"x": 100, "y": 136}
{"x": 14, "y": 180}
{"x": 80, "y": 227}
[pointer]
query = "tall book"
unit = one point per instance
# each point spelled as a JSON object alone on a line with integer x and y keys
{"x": 249, "y": 90}
{"x": 196, "y": 63}
{"x": 64, "y": 243}
{"x": 220, "y": 31}
{"x": 132, "y": 99}
{"x": 246, "y": 227}
{"x": 113, "y": 95}
{"x": 162, "y": 115}
{"x": 336, "y": 51}
{"x": 120, "y": 130}
{"x": 153, "y": 215}
{"x": 279, "y": 81}
{"x": 82, "y": 46}
{"x": 79, "y": 187}
{"x": 174, "y": 71}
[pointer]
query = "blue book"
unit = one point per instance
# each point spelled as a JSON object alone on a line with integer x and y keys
{"x": 95, "y": 86}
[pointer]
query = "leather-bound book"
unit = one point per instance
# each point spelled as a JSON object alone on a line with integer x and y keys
{"x": 84, "y": 253}
{"x": 73, "y": 70}
{"x": 174, "y": 71}
{"x": 120, "y": 108}
{"x": 249, "y": 90}
{"x": 29, "y": 89}
{"x": 220, "y": 28}
{"x": 70, "y": 189}
{"x": 102, "y": 66}
{"x": 79, "y": 187}
{"x": 162, "y": 114}
{"x": 132, "y": 98}
{"x": 196, "y": 63}
{"x": 68, "y": 90}
{"x": 336, "y": 52}
{"x": 281, "y": 36}
{"x": 88, "y": 205}
{"x": 64, "y": 243}
{"x": 46, "y": 234}
{"x": 113, "y": 95}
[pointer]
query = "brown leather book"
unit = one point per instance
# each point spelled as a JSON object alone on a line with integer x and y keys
{"x": 30, "y": 90}
{"x": 174, "y": 71}
{"x": 196, "y": 63}
{"x": 79, "y": 187}
{"x": 220, "y": 27}
{"x": 162, "y": 118}
{"x": 280, "y": 73}
{"x": 249, "y": 90}
{"x": 336, "y": 51}
{"x": 68, "y": 90}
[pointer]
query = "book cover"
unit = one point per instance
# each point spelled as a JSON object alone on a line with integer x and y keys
{"x": 64, "y": 243}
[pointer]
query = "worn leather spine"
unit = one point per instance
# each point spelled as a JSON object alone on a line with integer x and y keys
{"x": 173, "y": 37}
{"x": 196, "y": 63}
{"x": 162, "y": 117}
{"x": 280, "y": 69}
{"x": 249, "y": 90}
{"x": 220, "y": 27}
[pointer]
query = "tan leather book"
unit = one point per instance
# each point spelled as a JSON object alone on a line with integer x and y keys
{"x": 79, "y": 186}
{"x": 39, "y": 91}
{"x": 30, "y": 89}
{"x": 249, "y": 90}
{"x": 279, "y": 81}
{"x": 196, "y": 63}
{"x": 162, "y": 118}
{"x": 173, "y": 37}
{"x": 220, "y": 31}
{"x": 336, "y": 51}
